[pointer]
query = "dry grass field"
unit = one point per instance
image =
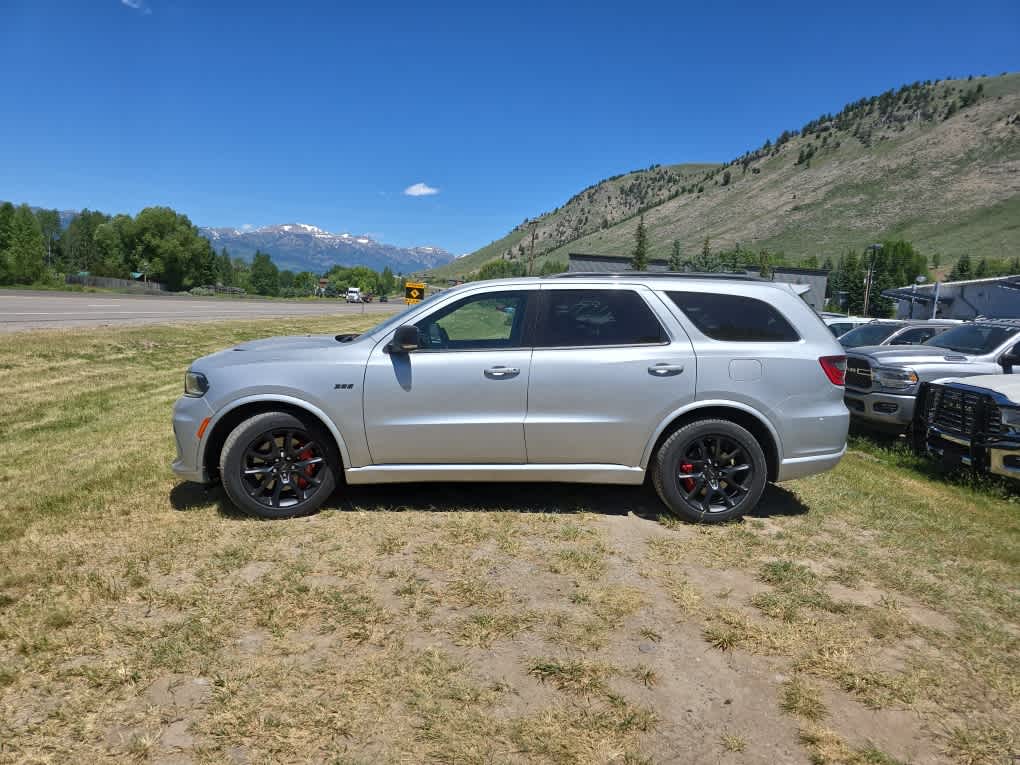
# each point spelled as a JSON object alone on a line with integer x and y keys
{"x": 865, "y": 616}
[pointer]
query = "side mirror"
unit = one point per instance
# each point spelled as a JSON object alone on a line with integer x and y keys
{"x": 1010, "y": 359}
{"x": 405, "y": 339}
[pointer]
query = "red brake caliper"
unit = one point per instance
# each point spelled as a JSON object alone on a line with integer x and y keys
{"x": 688, "y": 483}
{"x": 307, "y": 454}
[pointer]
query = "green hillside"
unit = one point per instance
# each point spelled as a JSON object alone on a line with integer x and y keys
{"x": 937, "y": 163}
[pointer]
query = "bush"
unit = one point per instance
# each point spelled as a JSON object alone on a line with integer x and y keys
{"x": 202, "y": 291}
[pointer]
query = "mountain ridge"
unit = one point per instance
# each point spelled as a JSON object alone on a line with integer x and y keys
{"x": 936, "y": 162}
{"x": 304, "y": 247}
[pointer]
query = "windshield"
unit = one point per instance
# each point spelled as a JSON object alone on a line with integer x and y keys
{"x": 397, "y": 318}
{"x": 867, "y": 334}
{"x": 976, "y": 339}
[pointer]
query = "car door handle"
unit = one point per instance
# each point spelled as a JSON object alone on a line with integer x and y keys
{"x": 665, "y": 370}
{"x": 501, "y": 373}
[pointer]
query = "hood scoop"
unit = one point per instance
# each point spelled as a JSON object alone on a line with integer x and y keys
{"x": 955, "y": 358}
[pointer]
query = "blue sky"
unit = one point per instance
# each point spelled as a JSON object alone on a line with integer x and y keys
{"x": 325, "y": 112}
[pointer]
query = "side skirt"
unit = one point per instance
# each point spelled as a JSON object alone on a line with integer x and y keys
{"x": 616, "y": 474}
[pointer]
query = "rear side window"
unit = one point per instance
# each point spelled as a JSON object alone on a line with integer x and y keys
{"x": 734, "y": 317}
{"x": 596, "y": 317}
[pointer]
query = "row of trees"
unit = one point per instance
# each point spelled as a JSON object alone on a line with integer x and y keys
{"x": 706, "y": 260}
{"x": 508, "y": 269}
{"x": 363, "y": 277}
{"x": 159, "y": 244}
{"x": 894, "y": 263}
{"x": 965, "y": 268}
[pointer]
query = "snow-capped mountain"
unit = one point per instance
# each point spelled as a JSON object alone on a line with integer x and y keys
{"x": 301, "y": 247}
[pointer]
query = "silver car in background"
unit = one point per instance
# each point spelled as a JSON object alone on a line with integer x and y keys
{"x": 895, "y": 332}
{"x": 709, "y": 386}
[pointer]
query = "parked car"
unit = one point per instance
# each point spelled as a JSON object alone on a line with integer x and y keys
{"x": 892, "y": 332}
{"x": 974, "y": 421}
{"x": 711, "y": 386}
{"x": 882, "y": 381}
{"x": 840, "y": 325}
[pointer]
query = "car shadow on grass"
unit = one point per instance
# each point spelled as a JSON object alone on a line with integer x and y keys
{"x": 490, "y": 497}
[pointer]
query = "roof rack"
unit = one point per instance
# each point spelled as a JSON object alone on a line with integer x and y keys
{"x": 655, "y": 275}
{"x": 992, "y": 320}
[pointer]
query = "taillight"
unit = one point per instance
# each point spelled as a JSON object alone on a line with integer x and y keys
{"x": 835, "y": 368}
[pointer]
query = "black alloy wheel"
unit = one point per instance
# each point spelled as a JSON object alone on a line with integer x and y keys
{"x": 280, "y": 467}
{"x": 710, "y": 471}
{"x": 276, "y": 465}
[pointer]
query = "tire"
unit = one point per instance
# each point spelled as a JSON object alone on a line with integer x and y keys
{"x": 732, "y": 453}
{"x": 292, "y": 466}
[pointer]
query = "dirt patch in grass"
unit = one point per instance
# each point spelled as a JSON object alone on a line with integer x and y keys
{"x": 474, "y": 623}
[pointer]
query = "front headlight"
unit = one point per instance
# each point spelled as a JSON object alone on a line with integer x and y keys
{"x": 1011, "y": 421}
{"x": 195, "y": 384}
{"x": 897, "y": 379}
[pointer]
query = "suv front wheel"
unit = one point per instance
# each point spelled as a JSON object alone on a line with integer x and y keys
{"x": 275, "y": 465}
{"x": 710, "y": 471}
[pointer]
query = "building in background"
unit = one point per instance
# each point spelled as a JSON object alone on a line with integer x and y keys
{"x": 998, "y": 297}
{"x": 815, "y": 278}
{"x": 607, "y": 264}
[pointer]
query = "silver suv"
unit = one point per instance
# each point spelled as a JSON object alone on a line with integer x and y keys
{"x": 710, "y": 386}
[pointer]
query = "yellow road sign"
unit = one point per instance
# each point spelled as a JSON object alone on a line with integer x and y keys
{"x": 414, "y": 292}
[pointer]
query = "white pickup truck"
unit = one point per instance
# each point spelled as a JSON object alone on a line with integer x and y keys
{"x": 973, "y": 421}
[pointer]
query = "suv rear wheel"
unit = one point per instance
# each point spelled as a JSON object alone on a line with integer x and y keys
{"x": 710, "y": 471}
{"x": 275, "y": 465}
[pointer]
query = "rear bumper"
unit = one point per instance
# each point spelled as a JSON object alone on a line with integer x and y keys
{"x": 801, "y": 467}
{"x": 888, "y": 409}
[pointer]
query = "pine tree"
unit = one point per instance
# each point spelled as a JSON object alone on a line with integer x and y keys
{"x": 265, "y": 277}
{"x": 26, "y": 250}
{"x": 225, "y": 268}
{"x": 962, "y": 269}
{"x": 639, "y": 258}
{"x": 6, "y": 229}
{"x": 982, "y": 269}
{"x": 676, "y": 260}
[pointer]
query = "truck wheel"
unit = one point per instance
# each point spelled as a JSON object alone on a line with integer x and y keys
{"x": 275, "y": 465}
{"x": 710, "y": 471}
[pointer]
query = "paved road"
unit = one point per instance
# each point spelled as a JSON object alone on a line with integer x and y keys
{"x": 20, "y": 310}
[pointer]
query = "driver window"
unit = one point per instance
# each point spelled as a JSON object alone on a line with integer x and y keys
{"x": 478, "y": 322}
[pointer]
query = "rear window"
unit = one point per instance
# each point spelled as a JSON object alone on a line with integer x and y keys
{"x": 734, "y": 318}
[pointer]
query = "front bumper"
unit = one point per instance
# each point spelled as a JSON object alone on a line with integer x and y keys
{"x": 999, "y": 457}
{"x": 189, "y": 412}
{"x": 889, "y": 409}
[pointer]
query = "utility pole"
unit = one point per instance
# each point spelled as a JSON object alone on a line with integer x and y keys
{"x": 531, "y": 253}
{"x": 867, "y": 281}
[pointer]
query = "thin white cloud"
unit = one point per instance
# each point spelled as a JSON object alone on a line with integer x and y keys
{"x": 137, "y": 5}
{"x": 420, "y": 190}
